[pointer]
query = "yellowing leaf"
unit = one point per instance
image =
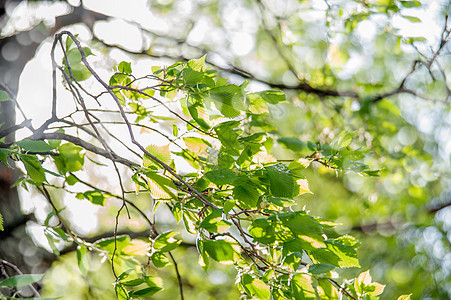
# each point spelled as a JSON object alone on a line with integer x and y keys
{"x": 160, "y": 186}
{"x": 137, "y": 247}
{"x": 303, "y": 186}
{"x": 160, "y": 152}
{"x": 197, "y": 145}
{"x": 379, "y": 288}
{"x": 372, "y": 288}
{"x": 404, "y": 297}
{"x": 364, "y": 277}
{"x": 157, "y": 192}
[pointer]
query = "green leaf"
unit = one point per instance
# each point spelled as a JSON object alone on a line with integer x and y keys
{"x": 51, "y": 241}
{"x": 301, "y": 286}
{"x": 191, "y": 77}
{"x": 228, "y": 206}
{"x": 262, "y": 231}
{"x": 159, "y": 259}
{"x": 1, "y": 223}
{"x": 348, "y": 241}
{"x": 153, "y": 281}
{"x": 69, "y": 42}
{"x": 255, "y": 138}
{"x": 177, "y": 212}
{"x": 255, "y": 287}
{"x": 53, "y": 173}
{"x": 96, "y": 197}
{"x": 49, "y": 217}
{"x": 352, "y": 155}
{"x": 73, "y": 56}
{"x": 71, "y": 180}
{"x": 83, "y": 259}
{"x": 34, "y": 146}
{"x": 270, "y": 96}
{"x": 155, "y": 69}
{"x": 342, "y": 140}
{"x": 21, "y": 280}
{"x": 273, "y": 97}
{"x": 316, "y": 269}
{"x": 197, "y": 64}
{"x": 228, "y": 135}
{"x": 223, "y": 251}
{"x": 293, "y": 260}
{"x": 166, "y": 242}
{"x": 281, "y": 202}
{"x": 133, "y": 282}
{"x": 347, "y": 254}
{"x": 70, "y": 158}
{"x": 410, "y": 4}
{"x": 415, "y": 39}
{"x": 282, "y": 183}
{"x": 203, "y": 260}
{"x": 33, "y": 167}
{"x": 147, "y": 292}
{"x": 108, "y": 244}
{"x": 247, "y": 194}
{"x": 404, "y": 297}
{"x": 412, "y": 19}
{"x": 221, "y": 177}
{"x": 4, "y": 96}
{"x": 60, "y": 233}
{"x": 125, "y": 67}
{"x": 292, "y": 143}
{"x": 198, "y": 112}
{"x": 214, "y": 222}
{"x": 87, "y": 51}
{"x": 4, "y": 154}
{"x": 300, "y": 223}
{"x": 121, "y": 292}
{"x": 79, "y": 71}
{"x": 228, "y": 99}
{"x": 323, "y": 255}
{"x": 119, "y": 79}
{"x": 372, "y": 173}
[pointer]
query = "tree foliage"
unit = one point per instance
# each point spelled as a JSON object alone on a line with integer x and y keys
{"x": 252, "y": 178}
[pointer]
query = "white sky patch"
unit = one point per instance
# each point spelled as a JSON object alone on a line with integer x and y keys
{"x": 366, "y": 30}
{"x": 128, "y": 10}
{"x": 242, "y": 43}
{"x": 199, "y": 31}
{"x": 120, "y": 32}
{"x": 83, "y": 214}
{"x": 34, "y": 92}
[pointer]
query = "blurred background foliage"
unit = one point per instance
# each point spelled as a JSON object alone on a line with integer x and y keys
{"x": 378, "y": 68}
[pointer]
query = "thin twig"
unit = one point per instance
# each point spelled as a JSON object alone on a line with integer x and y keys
{"x": 340, "y": 288}
{"x": 179, "y": 278}
{"x": 18, "y": 271}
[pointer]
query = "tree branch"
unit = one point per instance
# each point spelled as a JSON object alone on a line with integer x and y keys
{"x": 18, "y": 271}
